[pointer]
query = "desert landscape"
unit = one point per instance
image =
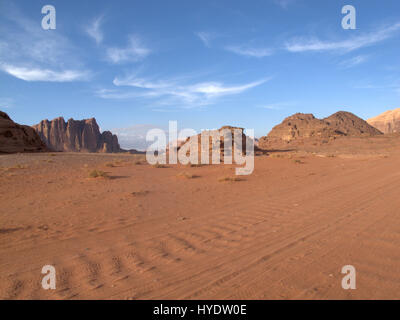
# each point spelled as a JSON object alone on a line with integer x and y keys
{"x": 176, "y": 151}
{"x": 115, "y": 227}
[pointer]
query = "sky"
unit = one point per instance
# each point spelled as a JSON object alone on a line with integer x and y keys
{"x": 136, "y": 65}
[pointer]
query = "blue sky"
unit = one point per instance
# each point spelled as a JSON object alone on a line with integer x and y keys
{"x": 134, "y": 65}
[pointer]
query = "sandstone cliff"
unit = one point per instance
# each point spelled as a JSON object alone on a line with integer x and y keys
{"x": 76, "y": 136}
{"x": 18, "y": 138}
{"x": 387, "y": 122}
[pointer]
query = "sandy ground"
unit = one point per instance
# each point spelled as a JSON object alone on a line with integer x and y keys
{"x": 284, "y": 232}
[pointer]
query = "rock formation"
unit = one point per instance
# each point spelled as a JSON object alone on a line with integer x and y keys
{"x": 304, "y": 127}
{"x": 348, "y": 124}
{"x": 18, "y": 138}
{"x": 387, "y": 122}
{"x": 76, "y": 136}
{"x": 219, "y": 142}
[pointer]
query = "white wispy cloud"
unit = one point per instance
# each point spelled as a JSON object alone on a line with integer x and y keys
{"x": 353, "y": 43}
{"x": 250, "y": 52}
{"x": 118, "y": 94}
{"x": 216, "y": 89}
{"x": 28, "y": 53}
{"x": 173, "y": 92}
{"x": 143, "y": 83}
{"x": 135, "y": 51}
{"x": 94, "y": 30}
{"x": 205, "y": 37}
{"x": 355, "y": 61}
{"x": 36, "y": 74}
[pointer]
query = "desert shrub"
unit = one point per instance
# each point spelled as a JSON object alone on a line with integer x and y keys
{"x": 19, "y": 166}
{"x": 140, "y": 193}
{"x": 276, "y": 155}
{"x": 230, "y": 179}
{"x": 97, "y": 174}
{"x": 162, "y": 166}
{"x": 187, "y": 175}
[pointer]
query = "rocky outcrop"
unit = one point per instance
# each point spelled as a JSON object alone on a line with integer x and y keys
{"x": 217, "y": 142}
{"x": 76, "y": 136}
{"x": 348, "y": 124}
{"x": 299, "y": 126}
{"x": 387, "y": 122}
{"x": 18, "y": 138}
{"x": 304, "y": 127}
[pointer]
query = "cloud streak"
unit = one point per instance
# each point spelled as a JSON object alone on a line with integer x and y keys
{"x": 94, "y": 30}
{"x": 36, "y": 74}
{"x": 355, "y": 61}
{"x": 205, "y": 37}
{"x": 250, "y": 52}
{"x": 135, "y": 51}
{"x": 172, "y": 92}
{"x": 354, "y": 43}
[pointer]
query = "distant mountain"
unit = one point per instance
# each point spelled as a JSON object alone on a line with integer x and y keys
{"x": 300, "y": 127}
{"x": 18, "y": 138}
{"x": 387, "y": 122}
{"x": 76, "y": 136}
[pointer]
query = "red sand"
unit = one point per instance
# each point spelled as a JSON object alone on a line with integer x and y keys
{"x": 283, "y": 232}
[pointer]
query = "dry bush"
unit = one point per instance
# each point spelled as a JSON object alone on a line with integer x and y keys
{"x": 19, "y": 166}
{"x": 193, "y": 165}
{"x": 140, "y": 193}
{"x": 139, "y": 159}
{"x": 187, "y": 175}
{"x": 162, "y": 166}
{"x": 230, "y": 179}
{"x": 275, "y": 155}
{"x": 97, "y": 174}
